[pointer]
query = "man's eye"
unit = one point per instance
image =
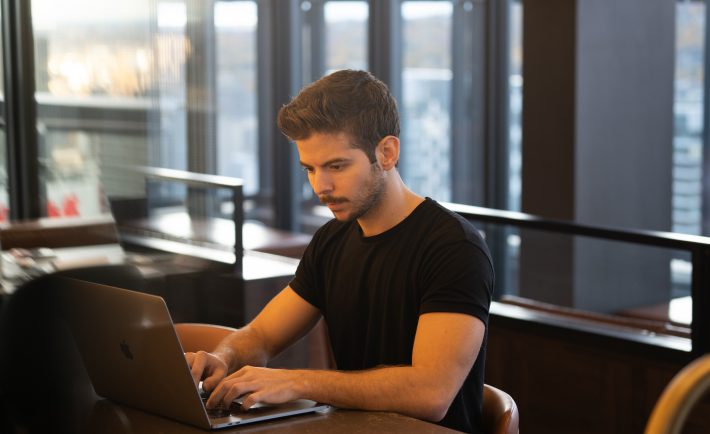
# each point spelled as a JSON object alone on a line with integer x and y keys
{"x": 307, "y": 169}
{"x": 336, "y": 167}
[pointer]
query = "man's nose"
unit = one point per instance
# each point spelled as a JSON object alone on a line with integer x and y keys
{"x": 321, "y": 183}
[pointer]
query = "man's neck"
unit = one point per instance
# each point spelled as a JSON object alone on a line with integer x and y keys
{"x": 396, "y": 204}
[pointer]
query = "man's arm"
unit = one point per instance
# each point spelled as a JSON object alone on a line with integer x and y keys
{"x": 284, "y": 320}
{"x": 445, "y": 347}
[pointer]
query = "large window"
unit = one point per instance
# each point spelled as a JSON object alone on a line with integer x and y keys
{"x": 665, "y": 296}
{"x": 688, "y": 146}
{"x": 93, "y": 71}
{"x": 334, "y": 36}
{"x": 166, "y": 83}
{"x": 237, "y": 123}
{"x": 345, "y": 35}
{"x": 426, "y": 97}
{"x": 515, "y": 131}
{"x": 688, "y": 113}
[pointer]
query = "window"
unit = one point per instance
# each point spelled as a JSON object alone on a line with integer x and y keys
{"x": 688, "y": 144}
{"x": 170, "y": 83}
{"x": 141, "y": 84}
{"x": 334, "y": 35}
{"x": 688, "y": 113}
{"x": 100, "y": 77}
{"x": 237, "y": 105}
{"x": 515, "y": 131}
{"x": 345, "y": 35}
{"x": 426, "y": 97}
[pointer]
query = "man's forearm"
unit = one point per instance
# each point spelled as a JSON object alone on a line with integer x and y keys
{"x": 403, "y": 389}
{"x": 241, "y": 348}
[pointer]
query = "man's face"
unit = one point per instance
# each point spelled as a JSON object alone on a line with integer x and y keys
{"x": 341, "y": 176}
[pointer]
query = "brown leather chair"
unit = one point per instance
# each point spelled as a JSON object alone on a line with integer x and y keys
{"x": 678, "y": 398}
{"x": 500, "y": 414}
{"x": 201, "y": 337}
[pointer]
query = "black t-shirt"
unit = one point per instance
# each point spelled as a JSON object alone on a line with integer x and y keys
{"x": 371, "y": 291}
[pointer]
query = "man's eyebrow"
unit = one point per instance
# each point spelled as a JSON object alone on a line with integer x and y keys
{"x": 329, "y": 162}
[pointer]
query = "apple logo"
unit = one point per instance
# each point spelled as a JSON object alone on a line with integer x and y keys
{"x": 126, "y": 350}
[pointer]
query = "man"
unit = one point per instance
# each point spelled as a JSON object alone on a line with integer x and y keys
{"x": 404, "y": 285}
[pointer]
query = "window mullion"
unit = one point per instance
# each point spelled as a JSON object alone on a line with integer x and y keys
{"x": 21, "y": 110}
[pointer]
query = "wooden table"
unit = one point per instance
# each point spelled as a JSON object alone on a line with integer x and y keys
{"x": 107, "y": 417}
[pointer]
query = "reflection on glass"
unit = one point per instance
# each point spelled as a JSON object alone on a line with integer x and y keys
{"x": 98, "y": 76}
{"x": 346, "y": 35}
{"x": 688, "y": 115}
{"x": 127, "y": 84}
{"x": 515, "y": 131}
{"x": 426, "y": 97}
{"x": 617, "y": 282}
{"x": 237, "y": 122}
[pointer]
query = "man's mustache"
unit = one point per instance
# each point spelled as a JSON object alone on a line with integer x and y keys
{"x": 331, "y": 199}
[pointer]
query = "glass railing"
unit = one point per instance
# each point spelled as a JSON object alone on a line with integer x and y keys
{"x": 642, "y": 283}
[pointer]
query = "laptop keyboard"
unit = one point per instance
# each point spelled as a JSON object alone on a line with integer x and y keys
{"x": 220, "y": 411}
{"x": 235, "y": 409}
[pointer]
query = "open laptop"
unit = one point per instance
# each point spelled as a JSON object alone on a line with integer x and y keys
{"x": 133, "y": 356}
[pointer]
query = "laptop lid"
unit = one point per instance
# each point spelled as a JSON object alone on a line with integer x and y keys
{"x": 133, "y": 356}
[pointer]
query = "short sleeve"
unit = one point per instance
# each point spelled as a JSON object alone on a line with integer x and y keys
{"x": 306, "y": 282}
{"x": 458, "y": 278}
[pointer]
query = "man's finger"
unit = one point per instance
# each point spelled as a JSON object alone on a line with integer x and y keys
{"x": 235, "y": 390}
{"x": 213, "y": 380}
{"x": 250, "y": 400}
{"x": 215, "y": 395}
{"x": 197, "y": 367}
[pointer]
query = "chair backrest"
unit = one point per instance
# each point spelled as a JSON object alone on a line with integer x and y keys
{"x": 678, "y": 398}
{"x": 500, "y": 413}
{"x": 126, "y": 276}
{"x": 201, "y": 337}
{"x": 37, "y": 353}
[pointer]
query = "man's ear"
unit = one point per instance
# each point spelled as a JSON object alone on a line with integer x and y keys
{"x": 387, "y": 152}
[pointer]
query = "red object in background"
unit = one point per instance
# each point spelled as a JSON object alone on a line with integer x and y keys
{"x": 53, "y": 210}
{"x": 4, "y": 210}
{"x": 71, "y": 206}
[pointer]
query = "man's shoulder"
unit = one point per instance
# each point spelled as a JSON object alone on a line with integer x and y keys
{"x": 447, "y": 228}
{"x": 443, "y": 221}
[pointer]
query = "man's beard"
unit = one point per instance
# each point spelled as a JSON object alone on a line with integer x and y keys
{"x": 365, "y": 201}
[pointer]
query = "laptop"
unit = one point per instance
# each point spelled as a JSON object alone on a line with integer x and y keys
{"x": 133, "y": 357}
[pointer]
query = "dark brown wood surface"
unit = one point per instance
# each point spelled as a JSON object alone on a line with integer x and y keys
{"x": 575, "y": 376}
{"x": 108, "y": 418}
{"x": 57, "y": 233}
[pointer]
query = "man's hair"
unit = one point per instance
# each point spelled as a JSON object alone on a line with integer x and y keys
{"x": 353, "y": 102}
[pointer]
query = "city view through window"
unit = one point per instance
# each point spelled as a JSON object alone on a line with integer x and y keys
{"x": 130, "y": 72}
{"x": 688, "y": 111}
{"x": 426, "y": 97}
{"x": 126, "y": 67}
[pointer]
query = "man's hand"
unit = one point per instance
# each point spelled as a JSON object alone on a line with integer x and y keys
{"x": 269, "y": 386}
{"x": 207, "y": 367}
{"x": 284, "y": 320}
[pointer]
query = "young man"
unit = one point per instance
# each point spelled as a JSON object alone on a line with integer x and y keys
{"x": 404, "y": 285}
